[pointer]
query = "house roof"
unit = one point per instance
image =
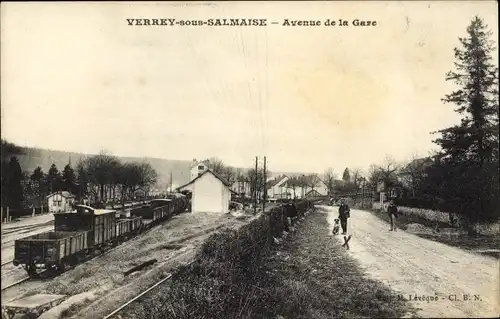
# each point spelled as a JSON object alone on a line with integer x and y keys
{"x": 226, "y": 183}
{"x": 65, "y": 194}
{"x": 200, "y": 162}
{"x": 276, "y": 181}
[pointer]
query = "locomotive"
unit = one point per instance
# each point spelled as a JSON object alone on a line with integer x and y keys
{"x": 87, "y": 231}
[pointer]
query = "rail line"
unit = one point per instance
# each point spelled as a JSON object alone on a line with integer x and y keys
{"x": 123, "y": 306}
{"x": 16, "y": 283}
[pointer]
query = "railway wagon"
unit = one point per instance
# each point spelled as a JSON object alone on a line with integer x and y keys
{"x": 127, "y": 227}
{"x": 180, "y": 202}
{"x": 159, "y": 209}
{"x": 52, "y": 249}
{"x": 101, "y": 223}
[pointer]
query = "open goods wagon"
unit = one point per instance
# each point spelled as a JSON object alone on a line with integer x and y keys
{"x": 53, "y": 249}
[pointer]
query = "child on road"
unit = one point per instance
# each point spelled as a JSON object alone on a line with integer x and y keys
{"x": 392, "y": 210}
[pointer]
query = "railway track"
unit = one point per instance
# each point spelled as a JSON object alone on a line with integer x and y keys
{"x": 126, "y": 304}
{"x": 16, "y": 283}
{"x": 16, "y": 229}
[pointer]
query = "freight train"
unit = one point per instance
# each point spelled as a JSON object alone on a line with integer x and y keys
{"x": 87, "y": 231}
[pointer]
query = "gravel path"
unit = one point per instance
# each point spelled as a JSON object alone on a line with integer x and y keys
{"x": 415, "y": 266}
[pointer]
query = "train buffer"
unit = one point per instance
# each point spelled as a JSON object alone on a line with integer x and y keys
{"x": 30, "y": 306}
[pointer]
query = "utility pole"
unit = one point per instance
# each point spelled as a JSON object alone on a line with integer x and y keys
{"x": 170, "y": 181}
{"x": 363, "y": 193}
{"x": 255, "y": 186}
{"x": 264, "y": 195}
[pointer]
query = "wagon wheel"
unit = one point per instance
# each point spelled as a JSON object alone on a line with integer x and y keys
{"x": 31, "y": 269}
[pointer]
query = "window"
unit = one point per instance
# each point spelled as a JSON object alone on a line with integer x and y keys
{"x": 201, "y": 167}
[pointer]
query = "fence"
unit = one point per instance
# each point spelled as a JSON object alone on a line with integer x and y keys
{"x": 8, "y": 214}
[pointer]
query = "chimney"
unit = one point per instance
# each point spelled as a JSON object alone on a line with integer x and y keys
{"x": 194, "y": 161}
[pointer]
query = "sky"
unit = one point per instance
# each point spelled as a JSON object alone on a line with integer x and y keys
{"x": 77, "y": 77}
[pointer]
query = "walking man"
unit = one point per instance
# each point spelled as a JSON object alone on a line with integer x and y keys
{"x": 343, "y": 215}
{"x": 392, "y": 210}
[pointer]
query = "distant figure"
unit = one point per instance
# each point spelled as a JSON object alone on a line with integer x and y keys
{"x": 392, "y": 210}
{"x": 344, "y": 214}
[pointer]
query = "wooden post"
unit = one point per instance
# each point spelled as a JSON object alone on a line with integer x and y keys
{"x": 7, "y": 214}
{"x": 33, "y": 215}
{"x": 255, "y": 186}
{"x": 264, "y": 195}
{"x": 1, "y": 214}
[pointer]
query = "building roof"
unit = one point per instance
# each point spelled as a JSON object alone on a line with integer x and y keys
{"x": 64, "y": 194}
{"x": 276, "y": 181}
{"x": 226, "y": 183}
{"x": 196, "y": 163}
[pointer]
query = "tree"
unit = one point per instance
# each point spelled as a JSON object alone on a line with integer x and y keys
{"x": 329, "y": 178}
{"x": 373, "y": 175}
{"x": 312, "y": 181}
{"x": 147, "y": 176}
{"x": 468, "y": 160}
{"x": 475, "y": 139}
{"x": 12, "y": 192}
{"x": 216, "y": 165}
{"x": 54, "y": 179}
{"x": 11, "y": 174}
{"x": 413, "y": 174}
{"x": 39, "y": 184}
{"x": 82, "y": 181}
{"x": 257, "y": 181}
{"x": 68, "y": 179}
{"x": 9, "y": 149}
{"x": 346, "y": 176}
{"x": 388, "y": 172}
{"x": 99, "y": 171}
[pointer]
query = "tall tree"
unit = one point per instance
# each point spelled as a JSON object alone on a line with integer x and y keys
{"x": 346, "y": 177}
{"x": 469, "y": 151}
{"x": 13, "y": 189}
{"x": 39, "y": 184}
{"x": 82, "y": 181}
{"x": 9, "y": 170}
{"x": 54, "y": 179}
{"x": 476, "y": 137}
{"x": 68, "y": 179}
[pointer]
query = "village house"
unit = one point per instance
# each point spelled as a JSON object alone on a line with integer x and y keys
{"x": 198, "y": 168}
{"x": 209, "y": 193}
{"x": 61, "y": 201}
{"x": 277, "y": 188}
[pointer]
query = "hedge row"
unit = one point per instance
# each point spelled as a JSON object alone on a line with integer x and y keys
{"x": 220, "y": 282}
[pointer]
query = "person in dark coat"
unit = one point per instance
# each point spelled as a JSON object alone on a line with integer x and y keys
{"x": 344, "y": 214}
{"x": 392, "y": 210}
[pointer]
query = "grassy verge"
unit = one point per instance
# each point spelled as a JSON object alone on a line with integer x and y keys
{"x": 244, "y": 275}
{"x": 483, "y": 244}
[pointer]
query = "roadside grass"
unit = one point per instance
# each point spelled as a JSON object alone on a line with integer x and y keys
{"x": 309, "y": 275}
{"x": 482, "y": 244}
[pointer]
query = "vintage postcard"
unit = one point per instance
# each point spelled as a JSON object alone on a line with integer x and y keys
{"x": 250, "y": 159}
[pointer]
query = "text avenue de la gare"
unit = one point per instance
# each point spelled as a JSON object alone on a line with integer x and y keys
{"x": 249, "y": 22}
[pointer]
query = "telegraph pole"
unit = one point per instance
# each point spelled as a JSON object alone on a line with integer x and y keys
{"x": 264, "y": 195}
{"x": 255, "y": 187}
{"x": 170, "y": 181}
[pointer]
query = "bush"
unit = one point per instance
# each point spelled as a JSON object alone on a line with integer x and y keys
{"x": 220, "y": 283}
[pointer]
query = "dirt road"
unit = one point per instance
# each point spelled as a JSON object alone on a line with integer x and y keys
{"x": 452, "y": 282}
